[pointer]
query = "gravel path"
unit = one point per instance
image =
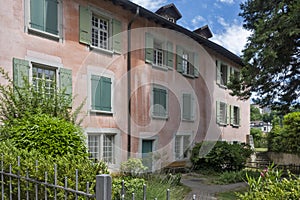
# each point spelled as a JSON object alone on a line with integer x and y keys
{"x": 203, "y": 191}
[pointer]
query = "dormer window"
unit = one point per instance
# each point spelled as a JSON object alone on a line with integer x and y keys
{"x": 170, "y": 12}
{"x": 171, "y": 19}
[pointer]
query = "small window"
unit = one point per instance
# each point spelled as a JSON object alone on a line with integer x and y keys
{"x": 182, "y": 145}
{"x": 101, "y": 147}
{"x": 44, "y": 17}
{"x": 187, "y": 67}
{"x": 101, "y": 94}
{"x": 235, "y": 115}
{"x": 158, "y": 54}
{"x": 187, "y": 107}
{"x": 44, "y": 79}
{"x": 100, "y": 32}
{"x": 223, "y": 73}
{"x": 160, "y": 102}
{"x": 222, "y": 113}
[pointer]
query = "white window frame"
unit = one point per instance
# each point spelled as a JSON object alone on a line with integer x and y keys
{"x": 100, "y": 30}
{"x": 100, "y": 137}
{"x": 235, "y": 122}
{"x": 187, "y": 66}
{"x": 182, "y": 153}
{"x": 152, "y": 102}
{"x": 29, "y": 29}
{"x": 159, "y": 46}
{"x": 223, "y": 120}
{"x": 192, "y": 112}
{"x": 102, "y": 14}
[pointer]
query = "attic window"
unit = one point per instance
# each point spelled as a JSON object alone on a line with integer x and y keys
{"x": 171, "y": 19}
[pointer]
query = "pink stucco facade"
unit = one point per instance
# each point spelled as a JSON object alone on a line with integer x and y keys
{"x": 65, "y": 51}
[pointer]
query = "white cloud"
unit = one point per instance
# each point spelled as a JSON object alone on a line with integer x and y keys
{"x": 227, "y": 1}
{"x": 234, "y": 37}
{"x": 150, "y": 4}
{"x": 197, "y": 19}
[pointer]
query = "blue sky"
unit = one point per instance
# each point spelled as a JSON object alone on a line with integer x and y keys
{"x": 220, "y": 15}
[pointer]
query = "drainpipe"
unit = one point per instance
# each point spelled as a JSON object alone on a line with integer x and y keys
{"x": 129, "y": 81}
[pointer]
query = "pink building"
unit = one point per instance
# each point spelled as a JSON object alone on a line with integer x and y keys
{"x": 106, "y": 51}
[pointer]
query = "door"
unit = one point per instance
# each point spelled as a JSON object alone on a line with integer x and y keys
{"x": 147, "y": 149}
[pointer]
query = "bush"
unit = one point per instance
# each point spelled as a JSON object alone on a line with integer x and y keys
{"x": 133, "y": 167}
{"x": 270, "y": 185}
{"x": 66, "y": 167}
{"x": 48, "y": 135}
{"x": 236, "y": 176}
{"x": 286, "y": 139}
{"x": 131, "y": 185}
{"x": 223, "y": 156}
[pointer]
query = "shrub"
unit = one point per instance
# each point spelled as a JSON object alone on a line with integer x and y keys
{"x": 131, "y": 185}
{"x": 66, "y": 167}
{"x": 270, "y": 185}
{"x": 235, "y": 176}
{"x": 133, "y": 167}
{"x": 223, "y": 156}
{"x": 286, "y": 139}
{"x": 48, "y": 135}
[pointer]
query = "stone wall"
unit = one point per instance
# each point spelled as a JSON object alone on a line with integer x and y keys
{"x": 284, "y": 158}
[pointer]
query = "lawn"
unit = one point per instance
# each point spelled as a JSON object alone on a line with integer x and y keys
{"x": 230, "y": 195}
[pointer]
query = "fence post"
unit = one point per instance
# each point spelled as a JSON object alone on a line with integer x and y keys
{"x": 103, "y": 187}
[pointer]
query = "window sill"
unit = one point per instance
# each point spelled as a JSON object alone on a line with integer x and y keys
{"x": 187, "y": 120}
{"x": 235, "y": 125}
{"x": 188, "y": 75}
{"x": 163, "y": 68}
{"x": 101, "y": 112}
{"x": 44, "y": 34}
{"x": 222, "y": 124}
{"x": 222, "y": 86}
{"x": 98, "y": 49}
{"x": 160, "y": 117}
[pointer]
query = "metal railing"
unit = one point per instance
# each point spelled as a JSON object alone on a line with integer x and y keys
{"x": 14, "y": 186}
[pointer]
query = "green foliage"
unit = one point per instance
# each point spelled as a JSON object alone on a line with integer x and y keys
{"x": 260, "y": 140}
{"x": 235, "y": 176}
{"x": 286, "y": 138}
{"x": 66, "y": 167}
{"x": 16, "y": 102}
{"x": 271, "y": 186}
{"x": 48, "y": 135}
{"x": 271, "y": 55}
{"x": 133, "y": 167}
{"x": 255, "y": 113}
{"x": 223, "y": 156}
{"x": 131, "y": 185}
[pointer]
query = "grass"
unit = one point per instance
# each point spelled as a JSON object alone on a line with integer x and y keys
{"x": 231, "y": 195}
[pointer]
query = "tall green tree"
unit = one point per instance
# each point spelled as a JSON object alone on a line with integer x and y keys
{"x": 271, "y": 55}
{"x": 255, "y": 114}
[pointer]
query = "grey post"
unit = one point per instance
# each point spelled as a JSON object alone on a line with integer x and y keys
{"x": 103, "y": 187}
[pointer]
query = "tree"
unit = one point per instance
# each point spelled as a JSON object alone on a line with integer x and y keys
{"x": 271, "y": 55}
{"x": 255, "y": 113}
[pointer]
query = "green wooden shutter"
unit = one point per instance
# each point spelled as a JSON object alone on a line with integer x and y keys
{"x": 229, "y": 72}
{"x": 20, "y": 72}
{"x": 179, "y": 53}
{"x": 218, "y": 71}
{"x": 170, "y": 55}
{"x": 218, "y": 114}
{"x": 156, "y": 101}
{"x": 187, "y": 106}
{"x": 51, "y": 16}
{"x": 117, "y": 28}
{"x": 95, "y": 92}
{"x": 163, "y": 102}
{"x": 196, "y": 64}
{"x": 65, "y": 81}
{"x": 37, "y": 14}
{"x": 227, "y": 114}
{"x": 84, "y": 25}
{"x": 149, "y": 48}
{"x": 105, "y": 94}
{"x": 239, "y": 116}
{"x": 232, "y": 121}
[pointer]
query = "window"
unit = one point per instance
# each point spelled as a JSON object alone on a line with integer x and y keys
{"x": 100, "y": 30}
{"x": 222, "y": 113}
{"x": 187, "y": 62}
{"x": 43, "y": 77}
{"x": 235, "y": 115}
{"x": 44, "y": 17}
{"x": 182, "y": 144}
{"x": 187, "y": 107}
{"x": 160, "y": 102}
{"x": 225, "y": 72}
{"x": 101, "y": 95}
{"x": 158, "y": 52}
{"x": 101, "y": 147}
